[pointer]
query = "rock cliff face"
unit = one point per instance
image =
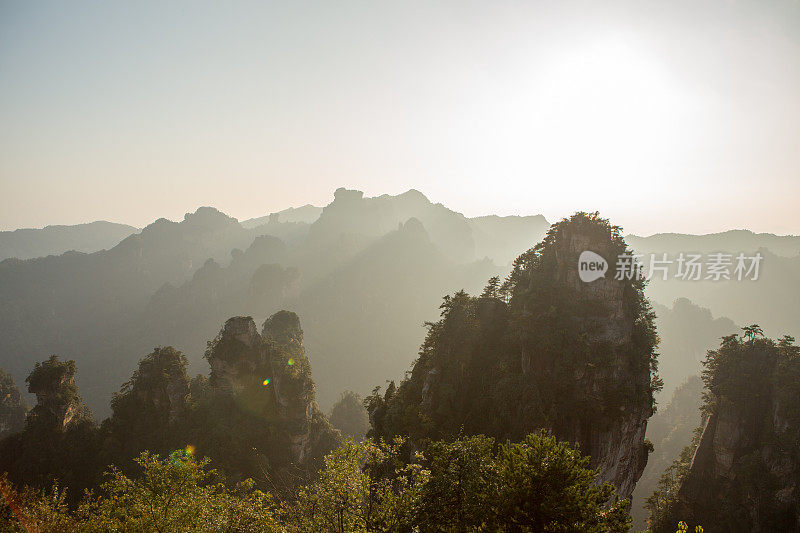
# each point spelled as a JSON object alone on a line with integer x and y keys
{"x": 57, "y": 402}
{"x": 59, "y": 440}
{"x": 615, "y": 442}
{"x": 157, "y": 394}
{"x": 238, "y": 356}
{"x": 269, "y": 375}
{"x": 745, "y": 473}
{"x": 542, "y": 350}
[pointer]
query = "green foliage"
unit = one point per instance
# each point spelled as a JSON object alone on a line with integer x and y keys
{"x": 53, "y": 382}
{"x": 469, "y": 484}
{"x": 52, "y": 375}
{"x": 362, "y": 487}
{"x": 538, "y": 485}
{"x": 739, "y": 373}
{"x": 174, "y": 494}
{"x": 284, "y": 328}
{"x": 787, "y": 391}
{"x": 256, "y": 417}
{"x": 683, "y": 527}
{"x": 546, "y": 485}
{"x": 35, "y": 509}
{"x": 463, "y": 486}
{"x": 349, "y": 416}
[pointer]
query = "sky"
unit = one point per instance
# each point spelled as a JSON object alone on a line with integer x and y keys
{"x": 663, "y": 115}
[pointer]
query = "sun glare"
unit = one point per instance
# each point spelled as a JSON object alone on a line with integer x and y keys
{"x": 607, "y": 110}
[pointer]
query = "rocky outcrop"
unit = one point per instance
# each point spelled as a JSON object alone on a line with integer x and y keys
{"x": 543, "y": 350}
{"x": 608, "y": 321}
{"x": 745, "y": 472}
{"x": 269, "y": 375}
{"x": 292, "y": 384}
{"x": 158, "y": 390}
{"x": 59, "y": 440}
{"x": 238, "y": 356}
{"x": 57, "y": 402}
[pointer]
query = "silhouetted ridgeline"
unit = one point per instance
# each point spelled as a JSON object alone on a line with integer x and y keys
{"x": 54, "y": 240}
{"x": 774, "y": 298}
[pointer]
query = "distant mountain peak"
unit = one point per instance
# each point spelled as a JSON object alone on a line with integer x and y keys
{"x": 414, "y": 194}
{"x": 209, "y": 217}
{"x": 342, "y": 194}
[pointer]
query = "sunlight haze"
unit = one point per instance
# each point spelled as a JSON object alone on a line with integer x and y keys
{"x": 664, "y": 116}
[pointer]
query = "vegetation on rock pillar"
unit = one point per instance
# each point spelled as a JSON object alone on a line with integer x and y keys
{"x": 59, "y": 441}
{"x": 749, "y": 446}
{"x": 541, "y": 350}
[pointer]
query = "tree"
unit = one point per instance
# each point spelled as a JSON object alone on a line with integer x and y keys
{"x": 470, "y": 484}
{"x": 176, "y": 493}
{"x": 173, "y": 494}
{"x": 463, "y": 481}
{"x": 363, "y": 487}
{"x": 492, "y": 288}
{"x": 752, "y": 331}
{"x": 660, "y": 503}
{"x": 148, "y": 412}
{"x": 545, "y": 485}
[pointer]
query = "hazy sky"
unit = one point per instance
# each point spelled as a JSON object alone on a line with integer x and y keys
{"x": 663, "y": 115}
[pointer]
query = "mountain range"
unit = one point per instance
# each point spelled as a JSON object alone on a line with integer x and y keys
{"x": 363, "y": 273}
